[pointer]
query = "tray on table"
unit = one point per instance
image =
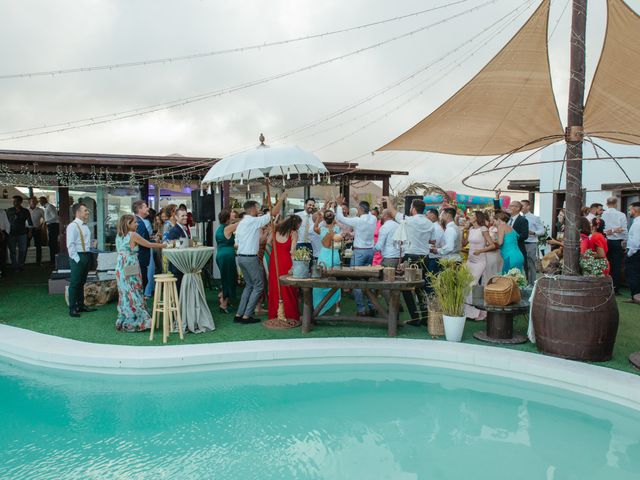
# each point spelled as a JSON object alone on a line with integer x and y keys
{"x": 370, "y": 272}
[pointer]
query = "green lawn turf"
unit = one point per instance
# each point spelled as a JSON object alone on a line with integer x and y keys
{"x": 25, "y": 303}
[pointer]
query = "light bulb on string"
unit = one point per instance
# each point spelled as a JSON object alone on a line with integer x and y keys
{"x": 209, "y": 190}
{"x": 217, "y": 188}
{"x": 319, "y": 180}
{"x": 241, "y": 180}
{"x": 284, "y": 182}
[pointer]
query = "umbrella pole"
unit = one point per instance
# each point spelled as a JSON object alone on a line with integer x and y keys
{"x": 281, "y": 320}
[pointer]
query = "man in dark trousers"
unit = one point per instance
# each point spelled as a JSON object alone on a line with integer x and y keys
{"x": 518, "y": 222}
{"x": 79, "y": 248}
{"x": 179, "y": 230}
{"x": 141, "y": 211}
{"x": 20, "y": 220}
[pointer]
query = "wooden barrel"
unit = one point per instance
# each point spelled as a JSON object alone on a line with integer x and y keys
{"x": 575, "y": 317}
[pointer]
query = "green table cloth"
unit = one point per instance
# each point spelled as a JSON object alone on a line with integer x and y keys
{"x": 194, "y": 310}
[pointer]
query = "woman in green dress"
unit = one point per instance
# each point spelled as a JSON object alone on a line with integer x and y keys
{"x": 226, "y": 257}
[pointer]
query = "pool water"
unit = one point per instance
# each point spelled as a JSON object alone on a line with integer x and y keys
{"x": 308, "y": 422}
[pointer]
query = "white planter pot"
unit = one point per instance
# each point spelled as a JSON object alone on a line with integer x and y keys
{"x": 453, "y": 328}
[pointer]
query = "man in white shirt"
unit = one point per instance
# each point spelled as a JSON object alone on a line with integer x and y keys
{"x": 305, "y": 232}
{"x": 79, "y": 248}
{"x": 248, "y": 240}
{"x": 451, "y": 240}
{"x": 53, "y": 227}
{"x": 632, "y": 261}
{"x": 436, "y": 240}
{"x": 385, "y": 245}
{"x": 615, "y": 228}
{"x": 536, "y": 228}
{"x": 36, "y": 230}
{"x": 364, "y": 226}
{"x": 5, "y": 227}
{"x": 420, "y": 231}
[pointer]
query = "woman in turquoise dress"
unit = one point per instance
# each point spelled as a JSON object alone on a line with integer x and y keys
{"x": 132, "y": 310}
{"x": 508, "y": 241}
{"x": 329, "y": 257}
{"x": 226, "y": 257}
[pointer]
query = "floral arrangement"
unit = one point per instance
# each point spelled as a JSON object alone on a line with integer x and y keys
{"x": 518, "y": 276}
{"x": 542, "y": 239}
{"x": 302, "y": 254}
{"x": 592, "y": 265}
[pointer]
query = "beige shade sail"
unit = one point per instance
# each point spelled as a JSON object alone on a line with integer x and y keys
{"x": 612, "y": 111}
{"x": 508, "y": 105}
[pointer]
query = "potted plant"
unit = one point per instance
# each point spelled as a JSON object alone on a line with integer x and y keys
{"x": 301, "y": 259}
{"x": 451, "y": 286}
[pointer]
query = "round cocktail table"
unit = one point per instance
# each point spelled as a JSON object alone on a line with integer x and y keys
{"x": 500, "y": 322}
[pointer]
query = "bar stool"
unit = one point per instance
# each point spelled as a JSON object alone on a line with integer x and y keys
{"x": 165, "y": 303}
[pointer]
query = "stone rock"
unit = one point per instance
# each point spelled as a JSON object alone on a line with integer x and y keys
{"x": 100, "y": 293}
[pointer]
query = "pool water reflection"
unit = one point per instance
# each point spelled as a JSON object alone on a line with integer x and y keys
{"x": 338, "y": 421}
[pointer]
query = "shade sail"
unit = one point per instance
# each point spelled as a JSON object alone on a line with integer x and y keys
{"x": 509, "y": 104}
{"x": 264, "y": 160}
{"x": 613, "y": 106}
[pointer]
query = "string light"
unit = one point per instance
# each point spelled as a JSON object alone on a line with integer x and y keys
{"x": 112, "y": 117}
{"x": 193, "y": 56}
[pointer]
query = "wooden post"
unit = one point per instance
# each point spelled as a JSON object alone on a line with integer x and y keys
{"x": 573, "y": 137}
{"x": 63, "y": 213}
{"x": 385, "y": 187}
{"x": 144, "y": 190}
{"x": 226, "y": 194}
{"x": 345, "y": 192}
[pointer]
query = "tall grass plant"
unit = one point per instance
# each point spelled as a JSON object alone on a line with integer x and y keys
{"x": 451, "y": 286}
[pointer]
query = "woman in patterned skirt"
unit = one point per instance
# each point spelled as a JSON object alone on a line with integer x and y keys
{"x": 132, "y": 310}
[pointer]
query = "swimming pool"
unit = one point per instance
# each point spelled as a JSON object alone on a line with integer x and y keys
{"x": 334, "y": 421}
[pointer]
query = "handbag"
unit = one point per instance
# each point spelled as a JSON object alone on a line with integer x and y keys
{"x": 133, "y": 269}
{"x": 501, "y": 291}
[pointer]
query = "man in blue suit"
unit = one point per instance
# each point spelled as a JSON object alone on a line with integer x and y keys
{"x": 141, "y": 211}
{"x": 179, "y": 230}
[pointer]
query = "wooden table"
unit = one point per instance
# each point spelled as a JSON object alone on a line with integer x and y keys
{"x": 500, "y": 322}
{"x": 388, "y": 316}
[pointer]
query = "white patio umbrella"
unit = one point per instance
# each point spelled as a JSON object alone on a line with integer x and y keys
{"x": 267, "y": 162}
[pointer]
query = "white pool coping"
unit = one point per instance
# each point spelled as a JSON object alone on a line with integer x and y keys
{"x": 61, "y": 353}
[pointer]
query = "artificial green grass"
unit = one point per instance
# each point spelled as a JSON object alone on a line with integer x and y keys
{"x": 25, "y": 303}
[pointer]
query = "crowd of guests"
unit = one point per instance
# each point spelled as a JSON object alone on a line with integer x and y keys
{"x": 497, "y": 243}
{"x": 614, "y": 238}
{"x": 21, "y": 226}
{"x": 498, "y": 240}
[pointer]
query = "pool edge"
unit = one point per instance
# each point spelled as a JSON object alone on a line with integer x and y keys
{"x": 61, "y": 353}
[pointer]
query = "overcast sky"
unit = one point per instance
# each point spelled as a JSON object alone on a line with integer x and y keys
{"x": 46, "y": 35}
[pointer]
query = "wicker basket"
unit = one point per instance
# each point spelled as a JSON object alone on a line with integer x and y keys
{"x": 435, "y": 323}
{"x": 501, "y": 291}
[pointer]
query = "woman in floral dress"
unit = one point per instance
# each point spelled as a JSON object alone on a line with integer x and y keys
{"x": 132, "y": 310}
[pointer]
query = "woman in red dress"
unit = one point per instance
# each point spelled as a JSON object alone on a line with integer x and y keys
{"x": 285, "y": 241}
{"x": 598, "y": 241}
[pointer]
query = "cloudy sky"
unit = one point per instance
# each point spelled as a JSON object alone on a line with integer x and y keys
{"x": 44, "y": 35}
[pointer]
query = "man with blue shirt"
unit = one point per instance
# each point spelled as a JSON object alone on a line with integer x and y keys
{"x": 141, "y": 211}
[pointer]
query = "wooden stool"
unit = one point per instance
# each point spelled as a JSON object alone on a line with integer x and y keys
{"x": 165, "y": 303}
